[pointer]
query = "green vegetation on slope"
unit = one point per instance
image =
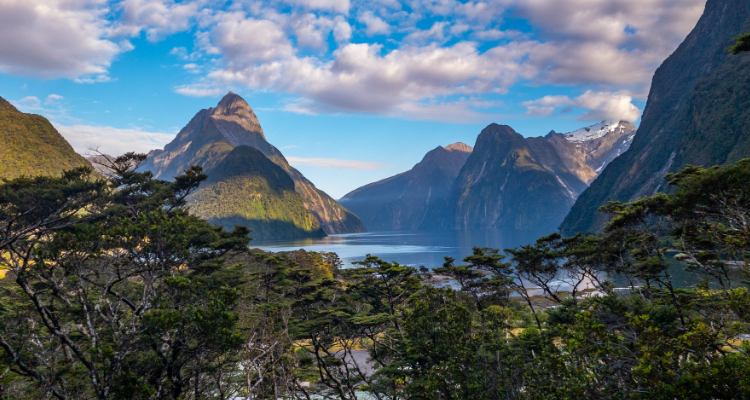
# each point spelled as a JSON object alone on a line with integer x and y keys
{"x": 31, "y": 146}
{"x": 246, "y": 188}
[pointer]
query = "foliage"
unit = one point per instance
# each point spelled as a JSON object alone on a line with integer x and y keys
{"x": 742, "y": 44}
{"x": 30, "y": 146}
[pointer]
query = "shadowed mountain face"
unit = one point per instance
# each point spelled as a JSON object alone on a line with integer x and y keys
{"x": 507, "y": 182}
{"x": 510, "y": 182}
{"x": 212, "y": 134}
{"x": 402, "y": 202}
{"x": 698, "y": 112}
{"x": 31, "y": 146}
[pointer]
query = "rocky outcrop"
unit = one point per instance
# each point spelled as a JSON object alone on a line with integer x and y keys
{"x": 214, "y": 132}
{"x": 587, "y": 151}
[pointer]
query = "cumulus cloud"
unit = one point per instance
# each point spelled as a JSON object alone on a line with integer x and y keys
{"x": 333, "y": 163}
{"x": 112, "y": 141}
{"x": 246, "y": 41}
{"x": 599, "y": 105}
{"x": 56, "y": 38}
{"x": 341, "y": 6}
{"x": 374, "y": 25}
{"x": 158, "y": 18}
{"x": 361, "y": 79}
{"x": 605, "y": 46}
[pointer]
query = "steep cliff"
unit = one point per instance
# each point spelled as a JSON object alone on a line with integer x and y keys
{"x": 698, "y": 112}
{"x": 213, "y": 133}
{"x": 510, "y": 182}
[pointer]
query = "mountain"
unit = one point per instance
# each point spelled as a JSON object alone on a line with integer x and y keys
{"x": 246, "y": 188}
{"x": 588, "y": 150}
{"x": 402, "y": 202}
{"x": 511, "y": 182}
{"x": 213, "y": 133}
{"x": 698, "y": 112}
{"x": 30, "y": 145}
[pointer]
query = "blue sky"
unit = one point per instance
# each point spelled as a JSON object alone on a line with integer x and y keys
{"x": 351, "y": 91}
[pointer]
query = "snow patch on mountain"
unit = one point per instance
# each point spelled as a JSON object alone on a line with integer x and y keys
{"x": 592, "y": 132}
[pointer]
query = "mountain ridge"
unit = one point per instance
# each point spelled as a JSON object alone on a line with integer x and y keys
{"x": 212, "y": 134}
{"x": 699, "y": 82}
{"x": 402, "y": 202}
{"x": 30, "y": 146}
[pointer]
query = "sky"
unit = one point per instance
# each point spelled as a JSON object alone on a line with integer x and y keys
{"x": 350, "y": 91}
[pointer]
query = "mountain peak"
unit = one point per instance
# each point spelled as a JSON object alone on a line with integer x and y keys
{"x": 6, "y": 106}
{"x": 234, "y": 109}
{"x": 592, "y": 132}
{"x": 459, "y": 146}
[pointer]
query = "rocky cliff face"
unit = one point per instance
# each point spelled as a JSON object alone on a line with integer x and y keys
{"x": 402, "y": 202}
{"x": 31, "y": 146}
{"x": 214, "y": 133}
{"x": 587, "y": 151}
{"x": 510, "y": 182}
{"x": 698, "y": 112}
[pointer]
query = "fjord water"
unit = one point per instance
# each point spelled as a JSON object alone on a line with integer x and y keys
{"x": 429, "y": 248}
{"x": 415, "y": 248}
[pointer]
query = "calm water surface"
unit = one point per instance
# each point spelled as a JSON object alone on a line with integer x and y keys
{"x": 425, "y": 248}
{"x": 418, "y": 248}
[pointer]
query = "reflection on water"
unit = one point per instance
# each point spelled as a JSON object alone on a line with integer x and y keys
{"x": 416, "y": 248}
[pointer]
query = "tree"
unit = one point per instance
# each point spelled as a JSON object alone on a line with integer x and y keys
{"x": 742, "y": 44}
{"x": 107, "y": 292}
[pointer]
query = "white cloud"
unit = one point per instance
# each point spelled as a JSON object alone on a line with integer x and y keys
{"x": 31, "y": 101}
{"x": 312, "y": 31}
{"x": 341, "y": 6}
{"x": 342, "y": 31}
{"x": 246, "y": 41}
{"x": 435, "y": 33}
{"x": 600, "y": 45}
{"x": 361, "y": 79}
{"x": 332, "y": 163}
{"x": 373, "y": 24}
{"x": 55, "y": 38}
{"x": 52, "y": 99}
{"x": 112, "y": 141}
{"x": 158, "y": 18}
{"x": 599, "y": 105}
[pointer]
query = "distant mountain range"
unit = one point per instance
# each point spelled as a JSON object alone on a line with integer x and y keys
{"x": 698, "y": 112}
{"x": 505, "y": 182}
{"x": 31, "y": 146}
{"x": 402, "y": 202}
{"x": 250, "y": 192}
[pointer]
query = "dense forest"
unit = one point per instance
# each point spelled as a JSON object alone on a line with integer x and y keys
{"x": 113, "y": 290}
